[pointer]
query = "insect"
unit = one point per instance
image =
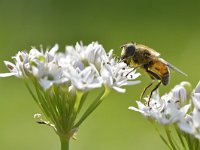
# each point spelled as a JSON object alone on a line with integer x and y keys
{"x": 141, "y": 56}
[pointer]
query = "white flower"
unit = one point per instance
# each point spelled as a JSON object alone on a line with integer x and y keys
{"x": 114, "y": 75}
{"x": 85, "y": 79}
{"x": 24, "y": 60}
{"x": 49, "y": 74}
{"x": 165, "y": 109}
{"x": 37, "y": 56}
{"x": 84, "y": 67}
{"x": 179, "y": 92}
{"x": 107, "y": 70}
{"x": 20, "y": 68}
{"x": 191, "y": 123}
{"x": 94, "y": 54}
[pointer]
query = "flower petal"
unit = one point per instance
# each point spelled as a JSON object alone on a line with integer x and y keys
{"x": 8, "y": 74}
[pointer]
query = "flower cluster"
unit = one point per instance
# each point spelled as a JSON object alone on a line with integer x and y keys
{"x": 181, "y": 106}
{"x": 61, "y": 81}
{"x": 191, "y": 122}
{"x": 81, "y": 67}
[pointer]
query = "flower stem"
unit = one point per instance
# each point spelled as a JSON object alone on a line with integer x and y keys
{"x": 64, "y": 144}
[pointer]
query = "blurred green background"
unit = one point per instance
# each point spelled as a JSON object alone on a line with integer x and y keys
{"x": 170, "y": 27}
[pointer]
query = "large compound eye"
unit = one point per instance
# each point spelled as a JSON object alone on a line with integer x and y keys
{"x": 128, "y": 50}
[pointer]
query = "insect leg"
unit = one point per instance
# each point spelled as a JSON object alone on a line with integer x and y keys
{"x": 132, "y": 71}
{"x": 144, "y": 90}
{"x": 155, "y": 88}
{"x": 152, "y": 74}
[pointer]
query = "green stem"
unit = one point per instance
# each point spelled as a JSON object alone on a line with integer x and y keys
{"x": 93, "y": 106}
{"x": 169, "y": 136}
{"x": 64, "y": 144}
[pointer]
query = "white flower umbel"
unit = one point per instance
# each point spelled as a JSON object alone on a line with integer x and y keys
{"x": 166, "y": 109}
{"x": 62, "y": 81}
{"x": 179, "y": 113}
{"x": 191, "y": 122}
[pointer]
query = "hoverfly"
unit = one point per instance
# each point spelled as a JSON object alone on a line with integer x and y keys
{"x": 141, "y": 56}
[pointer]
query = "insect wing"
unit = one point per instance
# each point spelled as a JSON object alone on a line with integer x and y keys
{"x": 173, "y": 67}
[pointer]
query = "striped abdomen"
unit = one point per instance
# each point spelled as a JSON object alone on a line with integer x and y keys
{"x": 161, "y": 70}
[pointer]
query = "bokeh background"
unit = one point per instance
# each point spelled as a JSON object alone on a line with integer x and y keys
{"x": 170, "y": 27}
